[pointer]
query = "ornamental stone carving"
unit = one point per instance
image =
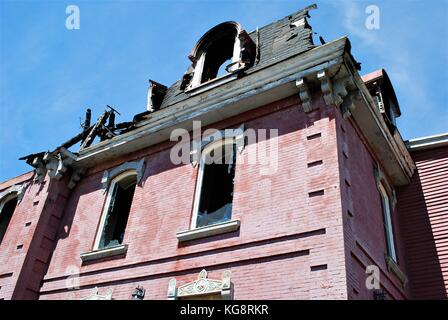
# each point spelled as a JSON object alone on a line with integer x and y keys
{"x": 304, "y": 94}
{"x": 95, "y": 296}
{"x": 201, "y": 287}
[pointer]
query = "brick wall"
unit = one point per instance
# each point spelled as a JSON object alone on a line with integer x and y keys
{"x": 29, "y": 240}
{"x": 365, "y": 241}
{"x": 308, "y": 231}
{"x": 290, "y": 244}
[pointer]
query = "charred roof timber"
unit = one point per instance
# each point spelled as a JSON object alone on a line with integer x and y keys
{"x": 271, "y": 63}
{"x": 156, "y": 93}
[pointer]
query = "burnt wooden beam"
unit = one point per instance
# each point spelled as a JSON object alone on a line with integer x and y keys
{"x": 93, "y": 133}
{"x": 86, "y": 125}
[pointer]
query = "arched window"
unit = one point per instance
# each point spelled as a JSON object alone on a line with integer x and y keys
{"x": 116, "y": 211}
{"x": 7, "y": 206}
{"x": 214, "y": 191}
{"x": 225, "y": 49}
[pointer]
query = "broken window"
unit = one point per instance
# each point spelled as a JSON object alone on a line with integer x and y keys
{"x": 118, "y": 206}
{"x": 216, "y": 53}
{"x": 387, "y": 219}
{"x": 224, "y": 49}
{"x": 7, "y": 207}
{"x": 217, "y": 173}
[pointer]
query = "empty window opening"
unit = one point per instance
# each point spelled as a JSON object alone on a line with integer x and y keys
{"x": 119, "y": 205}
{"x": 216, "y": 192}
{"x": 222, "y": 71}
{"x": 224, "y": 49}
{"x": 6, "y": 212}
{"x": 218, "y": 55}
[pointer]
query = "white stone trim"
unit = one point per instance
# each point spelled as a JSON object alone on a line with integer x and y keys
{"x": 138, "y": 167}
{"x": 95, "y": 296}
{"x": 202, "y": 287}
{"x": 393, "y": 267}
{"x": 238, "y": 134}
{"x": 14, "y": 190}
{"x": 207, "y": 231}
{"x": 304, "y": 94}
{"x": 104, "y": 253}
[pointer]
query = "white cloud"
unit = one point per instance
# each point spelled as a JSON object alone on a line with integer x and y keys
{"x": 394, "y": 48}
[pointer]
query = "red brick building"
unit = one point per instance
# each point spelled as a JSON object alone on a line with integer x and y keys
{"x": 318, "y": 197}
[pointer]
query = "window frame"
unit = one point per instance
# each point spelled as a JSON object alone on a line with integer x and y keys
{"x": 388, "y": 223}
{"x": 200, "y": 64}
{"x": 198, "y": 191}
{"x": 107, "y": 204}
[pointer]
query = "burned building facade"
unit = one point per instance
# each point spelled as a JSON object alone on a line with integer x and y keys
{"x": 338, "y": 207}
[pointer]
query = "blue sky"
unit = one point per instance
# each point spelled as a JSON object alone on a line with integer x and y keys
{"x": 49, "y": 75}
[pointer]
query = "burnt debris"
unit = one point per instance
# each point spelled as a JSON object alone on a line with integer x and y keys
{"x": 57, "y": 162}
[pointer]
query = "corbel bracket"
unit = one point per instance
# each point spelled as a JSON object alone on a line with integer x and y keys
{"x": 304, "y": 94}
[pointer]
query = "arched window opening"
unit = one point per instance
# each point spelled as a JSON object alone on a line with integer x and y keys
{"x": 225, "y": 49}
{"x": 7, "y": 207}
{"x": 217, "y": 173}
{"x": 217, "y": 52}
{"x": 116, "y": 213}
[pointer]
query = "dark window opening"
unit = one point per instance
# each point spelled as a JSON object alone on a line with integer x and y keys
{"x": 118, "y": 213}
{"x": 216, "y": 198}
{"x": 6, "y": 215}
{"x": 217, "y": 53}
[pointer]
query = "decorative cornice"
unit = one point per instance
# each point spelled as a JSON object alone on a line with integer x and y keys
{"x": 326, "y": 86}
{"x": 57, "y": 163}
{"x": 304, "y": 94}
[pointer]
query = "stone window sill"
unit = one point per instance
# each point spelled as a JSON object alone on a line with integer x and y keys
{"x": 393, "y": 267}
{"x": 207, "y": 231}
{"x": 104, "y": 253}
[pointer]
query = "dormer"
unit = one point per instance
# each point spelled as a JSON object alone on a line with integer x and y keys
{"x": 224, "y": 50}
{"x": 383, "y": 93}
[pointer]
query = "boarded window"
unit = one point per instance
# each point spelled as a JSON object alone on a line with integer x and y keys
{"x": 118, "y": 212}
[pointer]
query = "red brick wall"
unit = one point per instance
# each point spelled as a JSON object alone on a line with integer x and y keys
{"x": 423, "y": 209}
{"x": 28, "y": 243}
{"x": 284, "y": 232}
{"x": 365, "y": 241}
{"x": 290, "y": 245}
